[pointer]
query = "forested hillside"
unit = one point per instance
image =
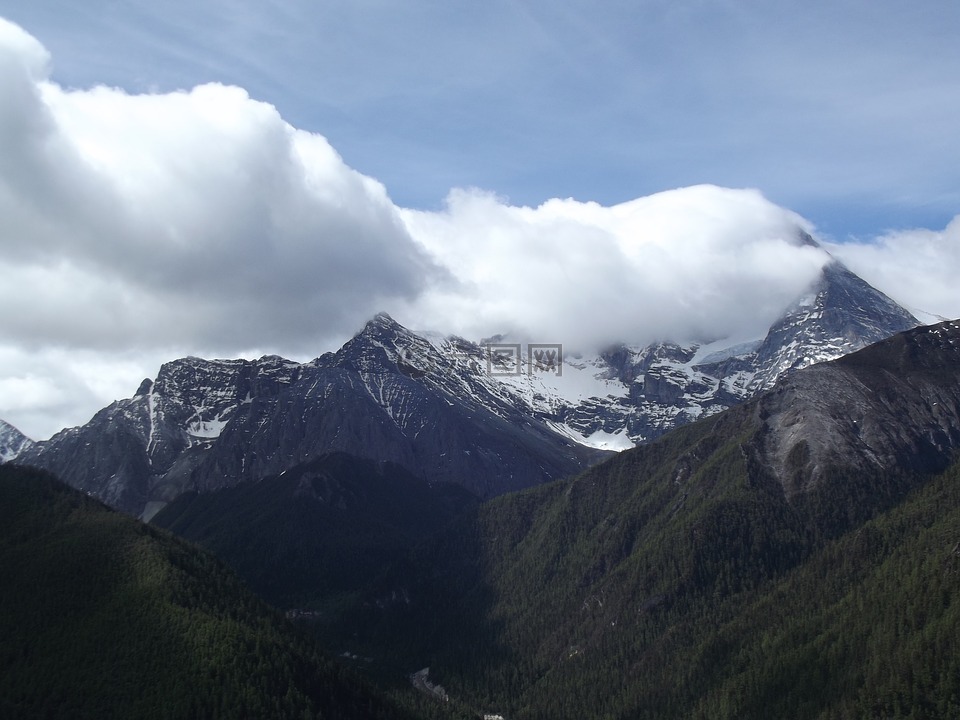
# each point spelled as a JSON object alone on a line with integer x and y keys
{"x": 102, "y": 616}
{"x": 708, "y": 621}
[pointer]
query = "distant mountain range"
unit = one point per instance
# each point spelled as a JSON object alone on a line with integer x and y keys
{"x": 492, "y": 416}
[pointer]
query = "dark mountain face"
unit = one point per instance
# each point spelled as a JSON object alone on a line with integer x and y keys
{"x": 895, "y": 404}
{"x": 203, "y": 425}
{"x": 372, "y": 399}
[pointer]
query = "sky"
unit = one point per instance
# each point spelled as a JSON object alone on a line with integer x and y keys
{"x": 234, "y": 178}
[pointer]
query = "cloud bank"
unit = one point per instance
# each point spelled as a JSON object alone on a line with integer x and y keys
{"x": 691, "y": 264}
{"x": 141, "y": 227}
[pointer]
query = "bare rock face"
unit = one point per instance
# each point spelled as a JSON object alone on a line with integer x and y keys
{"x": 840, "y": 314}
{"x": 143, "y": 449}
{"x": 895, "y": 404}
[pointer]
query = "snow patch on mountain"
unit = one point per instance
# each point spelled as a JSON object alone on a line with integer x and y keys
{"x": 207, "y": 429}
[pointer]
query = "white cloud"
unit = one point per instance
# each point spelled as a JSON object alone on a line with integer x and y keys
{"x": 187, "y": 217}
{"x": 917, "y": 268}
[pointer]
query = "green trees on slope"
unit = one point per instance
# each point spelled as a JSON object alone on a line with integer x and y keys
{"x": 104, "y": 617}
{"x": 679, "y": 582}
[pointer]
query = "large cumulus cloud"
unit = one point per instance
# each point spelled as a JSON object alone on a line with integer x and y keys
{"x": 195, "y": 217}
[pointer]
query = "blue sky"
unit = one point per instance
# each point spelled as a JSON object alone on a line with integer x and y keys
{"x": 842, "y": 111}
{"x": 233, "y": 178}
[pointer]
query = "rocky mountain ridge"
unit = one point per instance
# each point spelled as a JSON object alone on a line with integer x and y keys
{"x": 895, "y": 404}
{"x": 205, "y": 424}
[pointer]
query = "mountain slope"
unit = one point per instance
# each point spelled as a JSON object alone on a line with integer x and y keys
{"x": 103, "y": 617}
{"x": 323, "y": 529}
{"x": 873, "y": 640}
{"x": 203, "y": 425}
{"x": 625, "y": 591}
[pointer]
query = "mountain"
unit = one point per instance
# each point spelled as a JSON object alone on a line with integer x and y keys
{"x": 795, "y": 556}
{"x": 104, "y": 617}
{"x": 207, "y": 424}
{"x": 12, "y": 442}
{"x": 649, "y": 390}
{"x": 492, "y": 416}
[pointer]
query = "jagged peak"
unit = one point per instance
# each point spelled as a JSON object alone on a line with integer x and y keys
{"x": 192, "y": 361}
{"x": 12, "y": 442}
{"x": 6, "y": 427}
{"x": 805, "y": 239}
{"x": 380, "y": 322}
{"x": 380, "y": 329}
